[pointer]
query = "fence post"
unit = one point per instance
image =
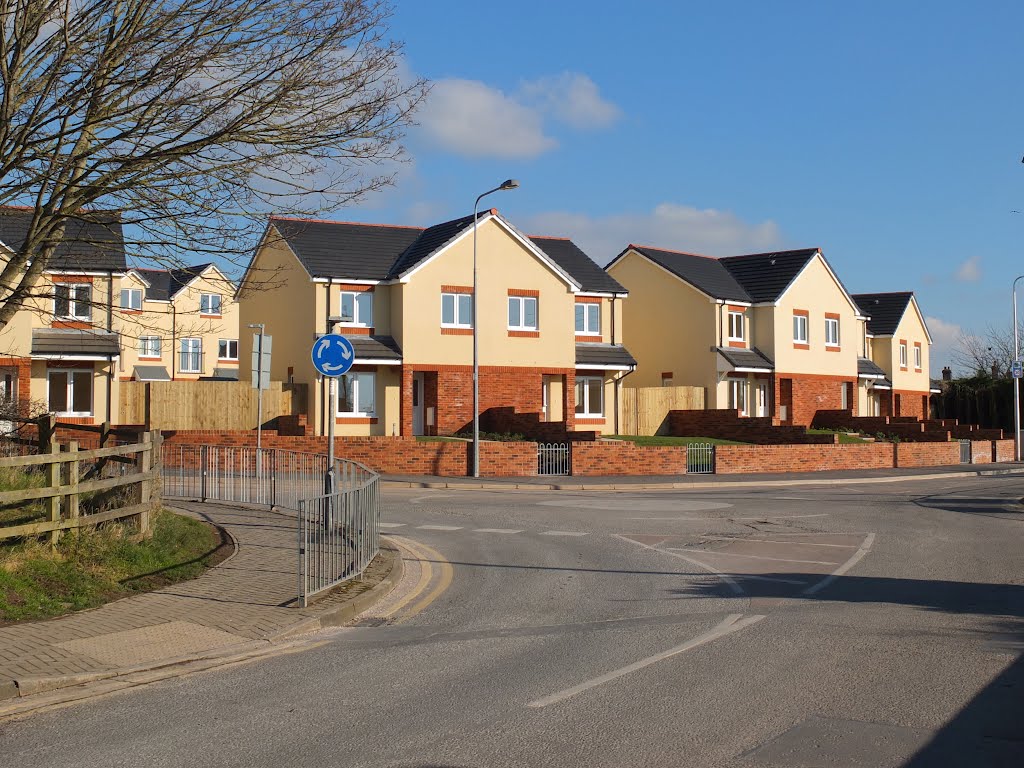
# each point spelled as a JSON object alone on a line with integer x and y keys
{"x": 54, "y": 476}
{"x": 273, "y": 477}
{"x": 202, "y": 472}
{"x": 46, "y": 425}
{"x": 73, "y": 503}
{"x": 145, "y": 487}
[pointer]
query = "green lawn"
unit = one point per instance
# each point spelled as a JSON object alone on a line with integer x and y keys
{"x": 17, "y": 479}
{"x": 663, "y": 440}
{"x": 844, "y": 439}
{"x": 95, "y": 567}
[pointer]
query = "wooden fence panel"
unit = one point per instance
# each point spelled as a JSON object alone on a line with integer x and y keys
{"x": 645, "y": 409}
{"x": 226, "y": 405}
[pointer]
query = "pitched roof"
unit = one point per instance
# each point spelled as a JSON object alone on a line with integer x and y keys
{"x": 868, "y": 369}
{"x": 165, "y": 284}
{"x": 345, "y": 249}
{"x": 599, "y": 355}
{"x": 151, "y": 373}
{"x": 72, "y": 342}
{"x": 706, "y": 274}
{"x": 746, "y": 358}
{"x": 375, "y": 348}
{"x": 91, "y": 243}
{"x": 431, "y": 240}
{"x": 766, "y": 276}
{"x": 576, "y": 263}
{"x": 885, "y": 310}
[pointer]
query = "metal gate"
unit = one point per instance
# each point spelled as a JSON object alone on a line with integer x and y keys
{"x": 700, "y": 459}
{"x": 965, "y": 451}
{"x": 554, "y": 458}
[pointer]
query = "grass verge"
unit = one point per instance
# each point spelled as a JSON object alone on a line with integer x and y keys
{"x": 844, "y": 438}
{"x": 664, "y": 440}
{"x": 94, "y": 567}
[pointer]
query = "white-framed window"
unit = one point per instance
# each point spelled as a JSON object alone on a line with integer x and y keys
{"x": 917, "y": 356}
{"x": 227, "y": 349}
{"x": 666, "y": 381}
{"x": 209, "y": 304}
{"x": 903, "y": 354}
{"x": 831, "y": 331}
{"x": 69, "y": 392}
{"x": 357, "y": 308}
{"x": 738, "y": 395}
{"x": 357, "y": 394}
{"x": 589, "y": 396}
{"x": 844, "y": 396}
{"x": 588, "y": 319}
{"x": 456, "y": 310}
{"x": 72, "y": 301}
{"x": 522, "y": 313}
{"x": 131, "y": 298}
{"x": 191, "y": 356}
{"x": 149, "y": 346}
{"x": 736, "y": 326}
{"x": 799, "y": 329}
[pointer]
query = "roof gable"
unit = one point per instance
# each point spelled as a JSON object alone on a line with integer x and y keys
{"x": 766, "y": 276}
{"x": 884, "y": 310}
{"x": 571, "y": 258}
{"x": 92, "y": 243}
{"x": 708, "y": 275}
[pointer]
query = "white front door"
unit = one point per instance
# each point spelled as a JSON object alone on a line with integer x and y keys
{"x": 417, "y": 403}
{"x": 762, "y": 398}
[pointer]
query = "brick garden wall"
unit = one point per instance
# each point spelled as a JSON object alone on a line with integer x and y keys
{"x": 727, "y": 424}
{"x": 625, "y": 458}
{"x": 734, "y": 459}
{"x": 927, "y": 454}
{"x": 812, "y": 394}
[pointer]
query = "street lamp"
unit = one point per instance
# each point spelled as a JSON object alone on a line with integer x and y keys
{"x": 505, "y": 185}
{"x": 1016, "y": 381}
{"x": 259, "y": 407}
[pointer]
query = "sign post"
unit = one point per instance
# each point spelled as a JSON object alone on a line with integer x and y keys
{"x": 1017, "y": 369}
{"x": 333, "y": 356}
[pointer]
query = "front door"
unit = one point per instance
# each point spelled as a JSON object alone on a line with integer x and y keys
{"x": 763, "y": 408}
{"x": 417, "y": 403}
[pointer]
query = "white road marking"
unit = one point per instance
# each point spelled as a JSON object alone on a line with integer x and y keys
{"x": 418, "y": 499}
{"x": 392, "y": 525}
{"x": 751, "y": 557}
{"x": 497, "y": 530}
{"x": 732, "y": 623}
{"x": 778, "y": 517}
{"x": 854, "y": 559}
{"x": 733, "y": 585}
{"x": 675, "y": 518}
{"x": 439, "y": 527}
{"x": 787, "y": 543}
{"x": 562, "y": 533}
{"x": 837, "y": 533}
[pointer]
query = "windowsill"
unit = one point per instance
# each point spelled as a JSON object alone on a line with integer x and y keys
{"x": 451, "y": 330}
{"x": 590, "y": 419}
{"x": 228, "y": 360}
{"x": 191, "y": 373}
{"x": 355, "y": 330}
{"x": 918, "y": 370}
{"x": 151, "y": 357}
{"x": 832, "y": 348}
{"x": 589, "y": 337}
{"x": 519, "y": 334}
{"x": 737, "y": 343}
{"x": 357, "y": 418}
{"x": 71, "y": 323}
{"x": 210, "y": 317}
{"x": 127, "y": 311}
{"x": 903, "y": 368}
{"x": 799, "y": 345}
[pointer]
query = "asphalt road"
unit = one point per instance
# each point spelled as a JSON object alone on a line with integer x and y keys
{"x": 860, "y": 625}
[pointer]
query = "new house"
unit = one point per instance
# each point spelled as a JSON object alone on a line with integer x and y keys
{"x": 177, "y": 324}
{"x": 60, "y": 351}
{"x": 549, "y": 323}
{"x": 896, "y": 343}
{"x": 768, "y": 334}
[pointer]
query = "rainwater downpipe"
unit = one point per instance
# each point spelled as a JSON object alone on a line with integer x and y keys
{"x": 110, "y": 358}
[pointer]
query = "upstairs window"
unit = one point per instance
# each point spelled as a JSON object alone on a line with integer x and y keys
{"x": 191, "y": 356}
{"x": 209, "y": 304}
{"x": 149, "y": 346}
{"x": 227, "y": 349}
{"x": 131, "y": 298}
{"x": 357, "y": 308}
{"x": 903, "y": 354}
{"x": 522, "y": 313}
{"x": 72, "y": 301}
{"x": 456, "y": 310}
{"x": 831, "y": 331}
{"x": 917, "y": 356}
{"x": 736, "y": 326}
{"x": 799, "y": 329}
{"x": 588, "y": 319}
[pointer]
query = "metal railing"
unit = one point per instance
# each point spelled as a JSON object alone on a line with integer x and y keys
{"x": 700, "y": 459}
{"x": 554, "y": 458}
{"x": 965, "y": 451}
{"x": 338, "y": 533}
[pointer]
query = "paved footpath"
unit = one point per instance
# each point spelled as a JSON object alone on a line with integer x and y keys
{"x": 245, "y": 601}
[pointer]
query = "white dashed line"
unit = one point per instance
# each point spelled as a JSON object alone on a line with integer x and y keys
{"x": 392, "y": 525}
{"x": 439, "y": 527}
{"x": 785, "y": 543}
{"x": 722, "y": 553}
{"x": 497, "y": 530}
{"x": 868, "y": 541}
{"x": 562, "y": 533}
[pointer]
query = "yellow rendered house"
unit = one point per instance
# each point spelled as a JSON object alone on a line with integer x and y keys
{"x": 177, "y": 324}
{"x": 549, "y": 325}
{"x": 769, "y": 334}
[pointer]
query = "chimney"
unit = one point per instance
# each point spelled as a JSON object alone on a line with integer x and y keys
{"x": 995, "y": 370}
{"x": 947, "y": 374}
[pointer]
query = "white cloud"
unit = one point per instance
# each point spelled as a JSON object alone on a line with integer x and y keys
{"x": 946, "y": 337}
{"x": 969, "y": 271}
{"x": 471, "y": 118}
{"x": 669, "y": 225}
{"x": 571, "y": 98}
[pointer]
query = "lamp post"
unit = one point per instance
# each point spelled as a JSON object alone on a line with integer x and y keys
{"x": 1016, "y": 381}
{"x": 505, "y": 185}
{"x": 259, "y": 407}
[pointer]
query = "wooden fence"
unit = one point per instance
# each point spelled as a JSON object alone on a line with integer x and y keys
{"x": 139, "y": 466}
{"x": 645, "y": 409}
{"x": 226, "y": 405}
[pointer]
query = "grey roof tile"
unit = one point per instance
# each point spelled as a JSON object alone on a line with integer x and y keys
{"x": 766, "y": 276}
{"x": 868, "y": 368}
{"x": 343, "y": 249}
{"x": 151, "y": 373}
{"x": 600, "y": 355}
{"x": 431, "y": 240}
{"x": 885, "y": 310}
{"x": 376, "y": 348}
{"x": 705, "y": 273}
{"x": 746, "y": 358}
{"x": 226, "y": 373}
{"x": 92, "y": 243}
{"x": 73, "y": 342}
{"x": 578, "y": 264}
{"x": 165, "y": 284}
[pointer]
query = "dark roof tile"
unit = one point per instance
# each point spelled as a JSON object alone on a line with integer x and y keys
{"x": 885, "y": 310}
{"x": 746, "y": 358}
{"x": 345, "y": 250}
{"x": 567, "y": 255}
{"x": 703, "y": 272}
{"x": 91, "y": 243}
{"x": 868, "y": 369}
{"x": 766, "y": 276}
{"x": 72, "y": 342}
{"x": 600, "y": 355}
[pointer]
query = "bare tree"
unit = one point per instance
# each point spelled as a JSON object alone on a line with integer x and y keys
{"x": 989, "y": 353}
{"x": 191, "y": 120}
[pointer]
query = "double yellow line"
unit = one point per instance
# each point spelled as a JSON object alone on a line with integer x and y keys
{"x": 427, "y": 557}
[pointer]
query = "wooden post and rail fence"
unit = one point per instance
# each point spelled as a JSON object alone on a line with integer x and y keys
{"x": 138, "y": 467}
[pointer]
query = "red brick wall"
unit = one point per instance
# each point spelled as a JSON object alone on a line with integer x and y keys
{"x": 813, "y": 393}
{"x": 727, "y": 424}
{"x": 927, "y": 454}
{"x": 24, "y": 372}
{"x": 982, "y": 451}
{"x": 734, "y": 459}
{"x": 624, "y": 458}
{"x": 1004, "y": 450}
{"x": 911, "y": 403}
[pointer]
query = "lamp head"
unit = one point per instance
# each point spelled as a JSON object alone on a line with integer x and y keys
{"x": 509, "y": 184}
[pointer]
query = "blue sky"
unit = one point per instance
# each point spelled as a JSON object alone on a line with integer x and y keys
{"x": 889, "y": 134}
